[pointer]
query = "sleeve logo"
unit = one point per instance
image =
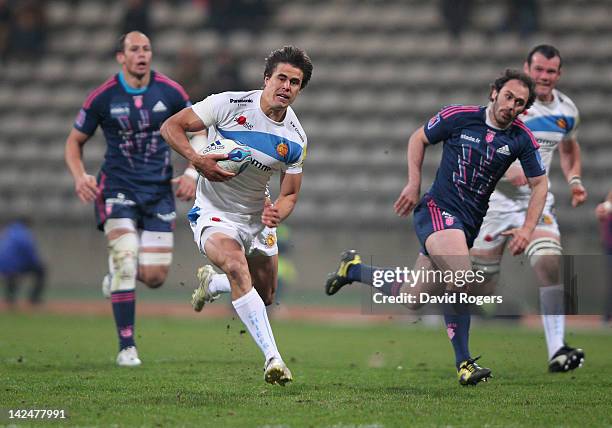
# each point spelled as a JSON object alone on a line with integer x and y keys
{"x": 282, "y": 149}
{"x": 433, "y": 121}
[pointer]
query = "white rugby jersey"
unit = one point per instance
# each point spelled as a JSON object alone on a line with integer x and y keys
{"x": 275, "y": 146}
{"x": 550, "y": 123}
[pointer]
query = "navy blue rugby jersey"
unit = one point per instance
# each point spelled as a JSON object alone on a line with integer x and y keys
{"x": 137, "y": 157}
{"x": 475, "y": 156}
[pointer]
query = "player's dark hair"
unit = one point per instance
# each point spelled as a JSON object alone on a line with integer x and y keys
{"x": 293, "y": 56}
{"x": 511, "y": 74}
{"x": 549, "y": 52}
{"x": 120, "y": 45}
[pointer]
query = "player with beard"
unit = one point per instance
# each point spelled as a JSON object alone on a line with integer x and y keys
{"x": 480, "y": 144}
{"x": 553, "y": 119}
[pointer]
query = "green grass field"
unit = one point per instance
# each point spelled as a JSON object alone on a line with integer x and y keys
{"x": 208, "y": 373}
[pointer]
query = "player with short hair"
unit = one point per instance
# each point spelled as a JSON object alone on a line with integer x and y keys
{"x": 134, "y": 204}
{"x": 233, "y": 219}
{"x": 480, "y": 143}
{"x": 553, "y": 119}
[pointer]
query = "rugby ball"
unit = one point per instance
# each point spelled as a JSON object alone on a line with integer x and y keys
{"x": 238, "y": 155}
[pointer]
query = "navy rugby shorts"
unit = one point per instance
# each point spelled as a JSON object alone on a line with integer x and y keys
{"x": 429, "y": 218}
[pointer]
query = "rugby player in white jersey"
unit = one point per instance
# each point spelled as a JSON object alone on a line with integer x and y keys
{"x": 553, "y": 119}
{"x": 233, "y": 219}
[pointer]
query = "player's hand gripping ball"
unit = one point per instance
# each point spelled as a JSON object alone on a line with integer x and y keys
{"x": 238, "y": 155}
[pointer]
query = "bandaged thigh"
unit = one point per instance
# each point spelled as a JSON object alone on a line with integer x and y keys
{"x": 162, "y": 242}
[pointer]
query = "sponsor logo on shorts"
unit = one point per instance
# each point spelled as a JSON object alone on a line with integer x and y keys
{"x": 120, "y": 199}
{"x": 270, "y": 240}
{"x": 167, "y": 217}
{"x": 282, "y": 149}
{"x": 216, "y": 219}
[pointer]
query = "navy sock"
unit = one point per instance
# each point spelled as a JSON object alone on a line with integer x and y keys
{"x": 124, "y": 304}
{"x": 457, "y": 321}
{"x": 354, "y": 272}
{"x": 365, "y": 274}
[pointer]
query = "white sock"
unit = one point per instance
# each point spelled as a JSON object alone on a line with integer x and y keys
{"x": 252, "y": 312}
{"x": 553, "y": 318}
{"x": 219, "y": 284}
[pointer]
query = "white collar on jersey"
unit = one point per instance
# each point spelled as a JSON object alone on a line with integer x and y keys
{"x": 551, "y": 102}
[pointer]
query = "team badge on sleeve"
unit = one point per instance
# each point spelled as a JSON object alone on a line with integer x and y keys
{"x": 433, "y": 121}
{"x": 562, "y": 123}
{"x": 80, "y": 119}
{"x": 282, "y": 149}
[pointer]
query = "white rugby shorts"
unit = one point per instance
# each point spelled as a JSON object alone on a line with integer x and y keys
{"x": 505, "y": 213}
{"x": 248, "y": 230}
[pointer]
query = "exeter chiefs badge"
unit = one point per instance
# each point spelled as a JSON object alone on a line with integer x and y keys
{"x": 270, "y": 240}
{"x": 562, "y": 123}
{"x": 282, "y": 149}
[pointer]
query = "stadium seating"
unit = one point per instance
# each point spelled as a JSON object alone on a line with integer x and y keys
{"x": 382, "y": 68}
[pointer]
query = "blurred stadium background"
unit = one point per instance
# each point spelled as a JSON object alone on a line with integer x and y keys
{"x": 382, "y": 68}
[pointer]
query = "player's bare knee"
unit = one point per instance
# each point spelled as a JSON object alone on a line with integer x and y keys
{"x": 547, "y": 269}
{"x": 153, "y": 277}
{"x": 544, "y": 255}
{"x": 236, "y": 270}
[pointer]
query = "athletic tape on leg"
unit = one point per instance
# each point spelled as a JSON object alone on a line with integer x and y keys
{"x": 124, "y": 251}
{"x": 489, "y": 267}
{"x": 149, "y": 258}
{"x": 542, "y": 247}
